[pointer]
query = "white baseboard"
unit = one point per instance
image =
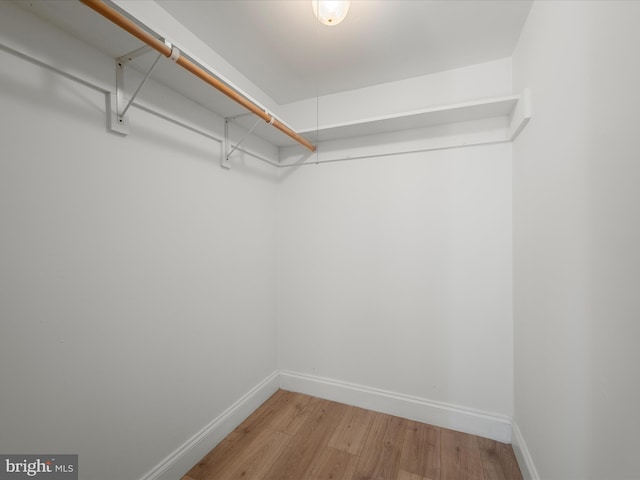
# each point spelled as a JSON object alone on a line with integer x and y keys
{"x": 189, "y": 453}
{"x": 525, "y": 461}
{"x": 462, "y": 419}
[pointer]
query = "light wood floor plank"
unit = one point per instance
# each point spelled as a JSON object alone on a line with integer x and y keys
{"x": 292, "y": 414}
{"x": 352, "y": 430}
{"x": 332, "y": 464}
{"x": 383, "y": 446}
{"x": 498, "y": 460}
{"x": 310, "y": 440}
{"x": 258, "y": 457}
{"x": 460, "y": 457}
{"x": 404, "y": 475}
{"x": 421, "y": 452}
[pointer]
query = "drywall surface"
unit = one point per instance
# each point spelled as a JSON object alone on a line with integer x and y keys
{"x": 576, "y": 237}
{"x": 396, "y": 274}
{"x": 137, "y": 277}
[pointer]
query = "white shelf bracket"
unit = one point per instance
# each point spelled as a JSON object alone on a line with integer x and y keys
{"x": 118, "y": 120}
{"x": 225, "y": 161}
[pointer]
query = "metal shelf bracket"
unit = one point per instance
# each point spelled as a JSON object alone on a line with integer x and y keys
{"x": 118, "y": 120}
{"x": 225, "y": 161}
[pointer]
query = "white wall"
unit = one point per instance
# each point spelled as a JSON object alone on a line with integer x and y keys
{"x": 139, "y": 288}
{"x": 137, "y": 277}
{"x": 396, "y": 274}
{"x": 395, "y": 271}
{"x": 577, "y": 231}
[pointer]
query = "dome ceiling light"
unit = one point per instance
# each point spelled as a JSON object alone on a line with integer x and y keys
{"x": 330, "y": 12}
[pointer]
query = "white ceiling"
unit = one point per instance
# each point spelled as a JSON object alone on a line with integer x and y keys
{"x": 280, "y": 46}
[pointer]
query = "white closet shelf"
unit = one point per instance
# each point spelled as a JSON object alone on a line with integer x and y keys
{"x": 441, "y": 115}
{"x": 479, "y": 122}
{"x": 513, "y": 110}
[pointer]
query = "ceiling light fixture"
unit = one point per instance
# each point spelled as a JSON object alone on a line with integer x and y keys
{"x": 330, "y": 12}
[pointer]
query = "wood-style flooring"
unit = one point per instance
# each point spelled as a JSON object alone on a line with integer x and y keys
{"x": 298, "y": 437}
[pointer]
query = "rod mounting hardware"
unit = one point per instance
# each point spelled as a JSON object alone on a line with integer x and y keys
{"x": 175, "y": 53}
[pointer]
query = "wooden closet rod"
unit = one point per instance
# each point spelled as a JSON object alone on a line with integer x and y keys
{"x": 158, "y": 45}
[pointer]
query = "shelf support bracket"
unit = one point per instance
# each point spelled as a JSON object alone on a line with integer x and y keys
{"x": 118, "y": 121}
{"x": 225, "y": 161}
{"x": 135, "y": 94}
